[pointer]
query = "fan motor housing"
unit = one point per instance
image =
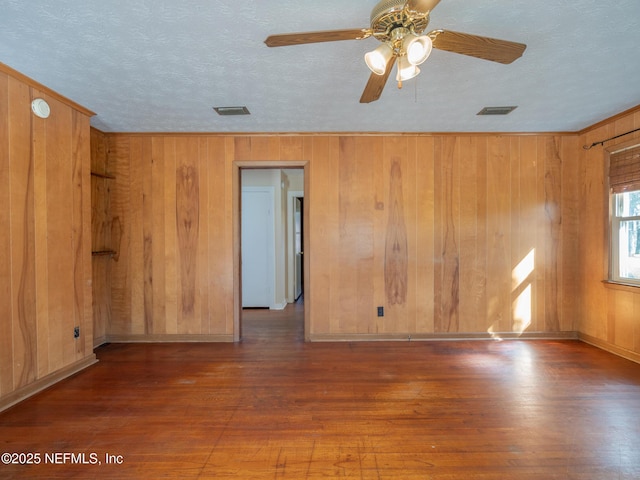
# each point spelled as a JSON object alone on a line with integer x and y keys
{"x": 388, "y": 15}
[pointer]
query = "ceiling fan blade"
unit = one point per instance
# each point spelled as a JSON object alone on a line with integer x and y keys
{"x": 486, "y": 48}
{"x": 376, "y": 84}
{"x": 287, "y": 39}
{"x": 421, "y": 6}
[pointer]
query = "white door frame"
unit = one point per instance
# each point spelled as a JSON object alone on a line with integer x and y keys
{"x": 236, "y": 192}
{"x": 291, "y": 253}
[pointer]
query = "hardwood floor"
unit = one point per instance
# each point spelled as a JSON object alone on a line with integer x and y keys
{"x": 275, "y": 407}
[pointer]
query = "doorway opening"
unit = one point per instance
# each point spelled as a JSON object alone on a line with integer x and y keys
{"x": 271, "y": 265}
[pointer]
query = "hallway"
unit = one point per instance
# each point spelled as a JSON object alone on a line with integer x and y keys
{"x": 276, "y": 326}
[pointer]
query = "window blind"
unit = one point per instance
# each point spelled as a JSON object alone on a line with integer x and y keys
{"x": 624, "y": 170}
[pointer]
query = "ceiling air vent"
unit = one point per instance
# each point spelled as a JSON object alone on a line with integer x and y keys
{"x": 496, "y": 110}
{"x": 232, "y": 110}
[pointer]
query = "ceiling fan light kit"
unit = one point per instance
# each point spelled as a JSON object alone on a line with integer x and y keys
{"x": 378, "y": 59}
{"x": 406, "y": 70}
{"x": 399, "y": 25}
{"x": 417, "y": 48}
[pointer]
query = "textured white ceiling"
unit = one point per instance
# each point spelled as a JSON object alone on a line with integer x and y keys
{"x": 161, "y": 65}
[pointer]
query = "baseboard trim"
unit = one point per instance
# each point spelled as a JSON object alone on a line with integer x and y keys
{"x": 608, "y": 347}
{"x": 168, "y": 338}
{"x": 415, "y": 337}
{"x": 43, "y": 383}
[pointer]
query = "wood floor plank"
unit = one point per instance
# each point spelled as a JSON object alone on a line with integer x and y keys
{"x": 273, "y": 406}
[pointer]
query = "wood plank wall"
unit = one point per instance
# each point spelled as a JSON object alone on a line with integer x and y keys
{"x": 434, "y": 228}
{"x": 609, "y": 316}
{"x": 101, "y": 226}
{"x": 45, "y": 269}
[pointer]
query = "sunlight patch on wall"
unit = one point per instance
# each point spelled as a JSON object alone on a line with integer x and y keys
{"x": 522, "y": 271}
{"x": 522, "y": 310}
{"x": 522, "y": 290}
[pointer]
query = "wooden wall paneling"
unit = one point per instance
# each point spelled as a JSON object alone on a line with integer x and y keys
{"x": 83, "y": 128}
{"x": 553, "y": 224}
{"x": 330, "y": 159}
{"x": 202, "y": 255}
{"x": 22, "y": 225}
{"x": 149, "y": 200}
{"x": 499, "y": 234}
{"x": 624, "y": 125}
{"x": 517, "y": 293}
{"x": 262, "y": 148}
{"x": 424, "y": 219}
{"x": 438, "y": 237}
{"x": 364, "y": 203}
{"x": 307, "y": 155}
{"x": 581, "y": 247}
{"x": 611, "y": 332}
{"x": 380, "y": 192}
{"x": 621, "y": 312}
{"x": 479, "y": 209}
{"x": 121, "y": 288}
{"x": 231, "y": 200}
{"x": 45, "y": 276}
{"x": 274, "y": 148}
{"x": 100, "y": 236}
{"x": 6, "y": 304}
{"x": 188, "y": 231}
{"x": 528, "y": 250}
{"x": 99, "y": 157}
{"x": 350, "y": 220}
{"x": 139, "y": 156}
{"x": 156, "y": 231}
{"x": 592, "y": 222}
{"x": 41, "y": 247}
{"x": 100, "y": 201}
{"x": 471, "y": 282}
{"x": 541, "y": 238}
{"x": 570, "y": 201}
{"x": 396, "y": 248}
{"x": 324, "y": 233}
{"x": 234, "y": 193}
{"x": 170, "y": 237}
{"x": 450, "y": 222}
{"x": 480, "y": 293}
{"x": 59, "y": 196}
{"x": 220, "y": 295}
{"x": 81, "y": 154}
{"x": 292, "y": 148}
{"x": 242, "y": 148}
{"x": 410, "y": 201}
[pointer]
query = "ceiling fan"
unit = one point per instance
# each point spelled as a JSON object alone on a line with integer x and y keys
{"x": 399, "y": 25}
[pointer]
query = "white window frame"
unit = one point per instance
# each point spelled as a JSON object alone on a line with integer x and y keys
{"x": 614, "y": 222}
{"x": 614, "y": 241}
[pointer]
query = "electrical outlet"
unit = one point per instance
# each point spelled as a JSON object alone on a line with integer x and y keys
{"x": 76, "y": 332}
{"x": 381, "y": 311}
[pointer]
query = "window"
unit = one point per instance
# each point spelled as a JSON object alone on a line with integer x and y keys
{"x": 625, "y": 237}
{"x": 624, "y": 182}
